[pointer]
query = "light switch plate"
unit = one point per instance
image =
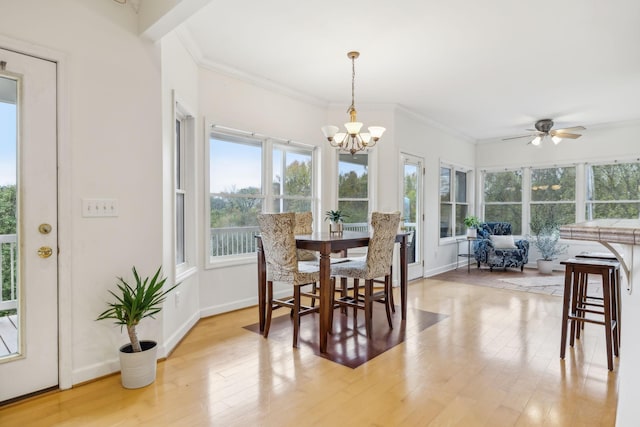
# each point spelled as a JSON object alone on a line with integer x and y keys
{"x": 96, "y": 208}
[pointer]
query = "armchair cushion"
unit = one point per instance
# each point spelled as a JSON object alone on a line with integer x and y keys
{"x": 503, "y": 242}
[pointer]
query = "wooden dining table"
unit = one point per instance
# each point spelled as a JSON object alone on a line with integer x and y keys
{"x": 326, "y": 244}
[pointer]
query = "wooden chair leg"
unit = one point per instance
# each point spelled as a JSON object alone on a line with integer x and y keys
{"x": 387, "y": 299}
{"x": 390, "y": 294}
{"x": 333, "y": 303}
{"x": 356, "y": 291}
{"x": 314, "y": 290}
{"x": 368, "y": 306}
{"x": 267, "y": 323}
{"x": 296, "y": 314}
{"x": 568, "y": 279}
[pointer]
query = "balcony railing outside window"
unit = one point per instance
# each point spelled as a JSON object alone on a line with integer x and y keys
{"x": 241, "y": 240}
{"x": 8, "y": 273}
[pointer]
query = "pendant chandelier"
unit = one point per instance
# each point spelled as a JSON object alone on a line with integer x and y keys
{"x": 352, "y": 140}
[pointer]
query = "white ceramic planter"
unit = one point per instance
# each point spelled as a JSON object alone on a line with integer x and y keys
{"x": 472, "y": 233}
{"x": 545, "y": 266}
{"x": 336, "y": 227}
{"x": 138, "y": 369}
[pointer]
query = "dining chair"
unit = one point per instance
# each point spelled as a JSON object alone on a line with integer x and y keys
{"x": 376, "y": 264}
{"x": 281, "y": 257}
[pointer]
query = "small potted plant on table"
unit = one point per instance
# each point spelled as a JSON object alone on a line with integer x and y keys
{"x": 472, "y": 223}
{"x": 133, "y": 303}
{"x": 336, "y": 221}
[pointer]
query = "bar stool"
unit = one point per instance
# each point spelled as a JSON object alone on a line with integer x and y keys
{"x": 589, "y": 299}
{"x": 578, "y": 303}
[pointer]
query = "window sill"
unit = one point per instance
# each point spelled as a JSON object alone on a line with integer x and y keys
{"x": 231, "y": 261}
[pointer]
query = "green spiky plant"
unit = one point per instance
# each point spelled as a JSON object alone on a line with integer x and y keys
{"x": 135, "y": 302}
{"x": 334, "y": 216}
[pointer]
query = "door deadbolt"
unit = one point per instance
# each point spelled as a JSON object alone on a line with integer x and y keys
{"x": 45, "y": 252}
{"x": 44, "y": 228}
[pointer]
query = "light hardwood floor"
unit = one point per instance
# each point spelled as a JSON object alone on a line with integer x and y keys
{"x": 493, "y": 362}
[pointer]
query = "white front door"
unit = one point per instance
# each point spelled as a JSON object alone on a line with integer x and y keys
{"x": 28, "y": 225}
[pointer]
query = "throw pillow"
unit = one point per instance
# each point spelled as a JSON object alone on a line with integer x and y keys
{"x": 503, "y": 242}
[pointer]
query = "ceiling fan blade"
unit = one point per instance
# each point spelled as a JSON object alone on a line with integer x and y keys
{"x": 520, "y": 136}
{"x": 564, "y": 135}
{"x": 571, "y": 129}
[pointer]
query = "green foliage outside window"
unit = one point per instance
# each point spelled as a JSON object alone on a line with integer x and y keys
{"x": 353, "y": 187}
{"x": 8, "y": 225}
{"x": 503, "y": 198}
{"x": 613, "y": 191}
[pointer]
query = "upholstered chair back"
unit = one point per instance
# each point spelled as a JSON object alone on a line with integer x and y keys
{"x": 279, "y": 245}
{"x": 494, "y": 228}
{"x": 380, "y": 252}
{"x": 304, "y": 225}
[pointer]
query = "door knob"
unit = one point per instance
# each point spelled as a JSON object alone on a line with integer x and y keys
{"x": 45, "y": 252}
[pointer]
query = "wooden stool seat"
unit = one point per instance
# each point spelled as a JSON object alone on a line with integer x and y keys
{"x": 578, "y": 303}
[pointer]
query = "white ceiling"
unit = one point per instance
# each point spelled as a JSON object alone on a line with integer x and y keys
{"x": 484, "y": 69}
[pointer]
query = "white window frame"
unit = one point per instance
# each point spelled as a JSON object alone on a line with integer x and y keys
{"x": 187, "y": 180}
{"x": 267, "y": 196}
{"x": 453, "y": 167}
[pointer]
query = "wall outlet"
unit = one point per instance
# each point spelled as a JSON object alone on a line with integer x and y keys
{"x": 177, "y": 298}
{"x": 94, "y": 208}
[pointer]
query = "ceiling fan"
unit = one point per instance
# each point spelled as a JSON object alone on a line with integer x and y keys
{"x": 543, "y": 131}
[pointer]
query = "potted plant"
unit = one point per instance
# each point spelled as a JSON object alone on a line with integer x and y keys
{"x": 546, "y": 236}
{"x": 135, "y": 301}
{"x": 472, "y": 223}
{"x": 336, "y": 221}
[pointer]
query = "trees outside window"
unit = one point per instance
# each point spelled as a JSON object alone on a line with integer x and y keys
{"x": 238, "y": 193}
{"x": 292, "y": 178}
{"x": 553, "y": 195}
{"x": 503, "y": 198}
{"x": 353, "y": 187}
{"x": 613, "y": 191}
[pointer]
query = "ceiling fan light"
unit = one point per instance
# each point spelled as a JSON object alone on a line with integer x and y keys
{"x": 536, "y": 141}
{"x": 556, "y": 139}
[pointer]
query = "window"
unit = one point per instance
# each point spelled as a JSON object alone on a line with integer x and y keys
{"x": 292, "y": 176}
{"x": 503, "y": 198}
{"x": 180, "y": 191}
{"x": 553, "y": 195}
{"x": 613, "y": 191}
{"x": 237, "y": 193}
{"x": 184, "y": 180}
{"x": 454, "y": 201}
{"x": 353, "y": 188}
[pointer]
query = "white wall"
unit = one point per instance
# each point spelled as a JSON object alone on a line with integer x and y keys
{"x": 180, "y": 84}
{"x": 110, "y": 148}
{"x": 597, "y": 144}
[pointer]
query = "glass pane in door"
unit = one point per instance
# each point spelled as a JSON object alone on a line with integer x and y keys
{"x": 9, "y": 320}
{"x": 409, "y": 209}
